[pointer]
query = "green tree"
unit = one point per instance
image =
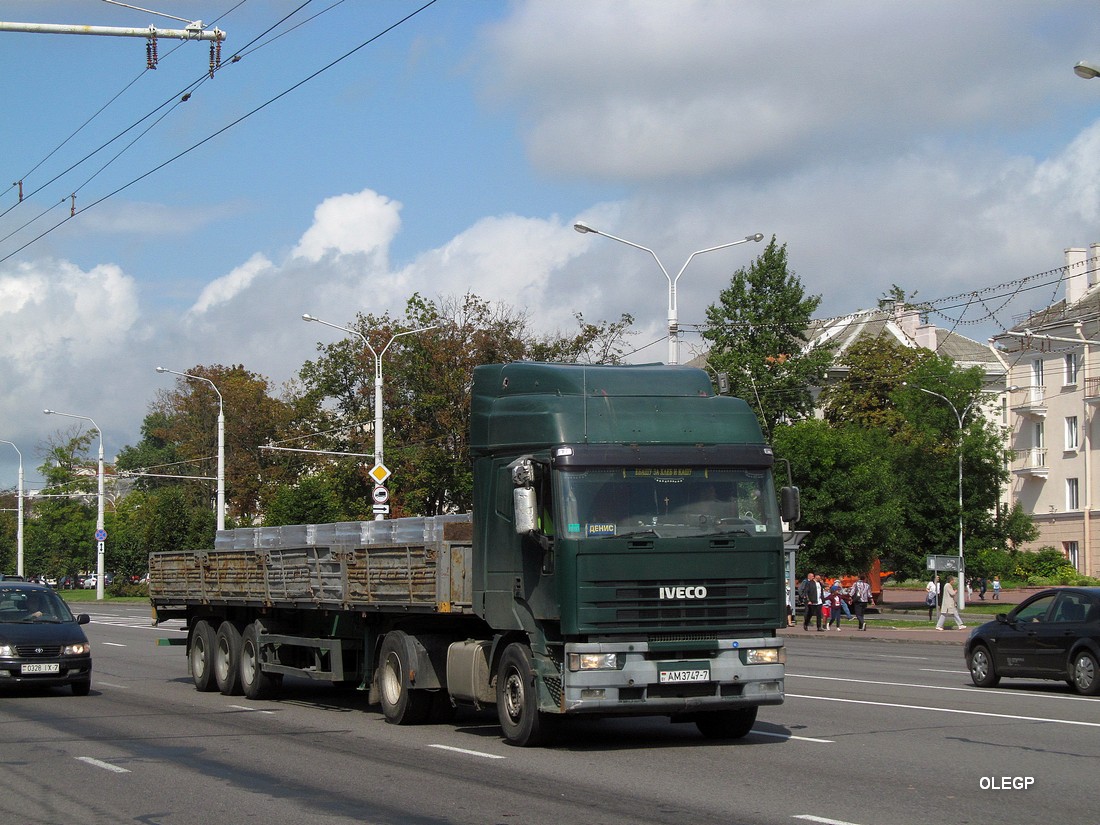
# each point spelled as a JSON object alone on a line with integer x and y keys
{"x": 875, "y": 369}
{"x": 312, "y": 500}
{"x": 757, "y": 335}
{"x": 930, "y": 446}
{"x": 850, "y": 501}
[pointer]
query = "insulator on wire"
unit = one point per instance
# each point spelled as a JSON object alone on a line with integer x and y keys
{"x": 72, "y": 205}
{"x": 215, "y": 57}
{"x": 19, "y": 183}
{"x": 151, "y": 52}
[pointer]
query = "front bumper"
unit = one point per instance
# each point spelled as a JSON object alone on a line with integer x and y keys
{"x": 69, "y": 669}
{"x": 636, "y": 687}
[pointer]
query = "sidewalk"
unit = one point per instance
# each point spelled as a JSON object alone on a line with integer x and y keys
{"x": 909, "y": 606}
{"x": 880, "y": 628}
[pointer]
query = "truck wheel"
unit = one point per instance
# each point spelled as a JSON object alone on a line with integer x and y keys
{"x": 227, "y": 659}
{"x": 726, "y": 724}
{"x": 254, "y": 682}
{"x": 400, "y": 704}
{"x": 517, "y": 704}
{"x": 201, "y": 656}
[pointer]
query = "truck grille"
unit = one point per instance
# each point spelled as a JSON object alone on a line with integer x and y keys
{"x": 638, "y": 605}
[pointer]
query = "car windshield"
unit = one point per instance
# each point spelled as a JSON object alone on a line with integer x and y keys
{"x": 667, "y": 501}
{"x": 24, "y": 605}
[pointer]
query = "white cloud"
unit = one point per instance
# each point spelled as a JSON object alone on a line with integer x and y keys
{"x": 363, "y": 222}
{"x": 227, "y": 287}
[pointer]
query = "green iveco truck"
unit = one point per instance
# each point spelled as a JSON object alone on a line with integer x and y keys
{"x": 624, "y": 557}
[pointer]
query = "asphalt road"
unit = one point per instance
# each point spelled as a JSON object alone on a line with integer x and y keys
{"x": 874, "y": 731}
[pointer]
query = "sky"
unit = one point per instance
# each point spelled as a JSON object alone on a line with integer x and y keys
{"x": 360, "y": 152}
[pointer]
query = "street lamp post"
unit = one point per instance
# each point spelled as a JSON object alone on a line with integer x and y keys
{"x": 100, "y": 542}
{"x": 19, "y": 509}
{"x": 378, "y": 449}
{"x": 221, "y": 441}
{"x": 960, "y": 417}
{"x": 673, "y": 311}
{"x": 1086, "y": 70}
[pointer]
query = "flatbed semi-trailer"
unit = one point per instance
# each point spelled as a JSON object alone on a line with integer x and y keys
{"x": 624, "y": 557}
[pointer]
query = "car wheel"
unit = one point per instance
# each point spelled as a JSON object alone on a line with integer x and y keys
{"x": 254, "y": 682}
{"x": 227, "y": 659}
{"x": 201, "y": 656}
{"x": 401, "y": 705}
{"x": 982, "y": 672}
{"x": 517, "y": 704}
{"x": 1086, "y": 674}
{"x": 726, "y": 724}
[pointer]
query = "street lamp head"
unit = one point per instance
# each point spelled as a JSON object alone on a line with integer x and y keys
{"x": 161, "y": 369}
{"x": 757, "y": 237}
{"x": 1086, "y": 70}
{"x": 48, "y": 412}
{"x": 584, "y": 228}
{"x": 308, "y": 317}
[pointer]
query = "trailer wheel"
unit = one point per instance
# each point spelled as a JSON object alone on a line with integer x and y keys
{"x": 517, "y": 704}
{"x": 254, "y": 682}
{"x": 227, "y": 659}
{"x": 726, "y": 724}
{"x": 400, "y": 704}
{"x": 201, "y": 656}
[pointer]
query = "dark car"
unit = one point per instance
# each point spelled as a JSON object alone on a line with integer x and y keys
{"x": 41, "y": 642}
{"x": 1055, "y": 634}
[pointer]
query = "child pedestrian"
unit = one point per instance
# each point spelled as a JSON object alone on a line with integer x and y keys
{"x": 996, "y": 588}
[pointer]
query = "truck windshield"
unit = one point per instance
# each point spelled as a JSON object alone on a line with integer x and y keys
{"x": 667, "y": 501}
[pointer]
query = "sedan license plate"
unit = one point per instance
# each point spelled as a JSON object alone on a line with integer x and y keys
{"x": 672, "y": 672}
{"x": 41, "y": 667}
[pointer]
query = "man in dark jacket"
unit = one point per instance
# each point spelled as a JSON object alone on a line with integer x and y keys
{"x": 813, "y": 596}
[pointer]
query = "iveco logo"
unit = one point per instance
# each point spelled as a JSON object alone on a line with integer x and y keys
{"x": 698, "y": 592}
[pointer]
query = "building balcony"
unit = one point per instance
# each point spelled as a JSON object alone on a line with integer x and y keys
{"x": 1029, "y": 401}
{"x": 1092, "y": 390}
{"x": 1031, "y": 463}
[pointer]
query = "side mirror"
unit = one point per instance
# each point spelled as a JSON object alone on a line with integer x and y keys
{"x": 83, "y": 618}
{"x": 526, "y": 518}
{"x": 1002, "y": 618}
{"x": 790, "y": 503}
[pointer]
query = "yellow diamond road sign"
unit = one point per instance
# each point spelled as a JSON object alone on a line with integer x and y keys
{"x": 379, "y": 472}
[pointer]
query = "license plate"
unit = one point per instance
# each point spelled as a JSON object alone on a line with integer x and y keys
{"x": 48, "y": 667}
{"x": 673, "y": 672}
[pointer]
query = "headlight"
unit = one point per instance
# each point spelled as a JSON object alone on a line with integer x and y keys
{"x": 593, "y": 661}
{"x": 766, "y": 656}
{"x": 79, "y": 649}
{"x": 7, "y": 650}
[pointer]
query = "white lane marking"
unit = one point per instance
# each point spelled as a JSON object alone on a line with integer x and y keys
{"x": 97, "y": 763}
{"x": 252, "y": 710}
{"x": 112, "y": 644}
{"x": 983, "y": 691}
{"x": 1014, "y": 717}
{"x": 812, "y": 818}
{"x": 792, "y": 736}
{"x": 953, "y": 672}
{"x": 468, "y": 752}
{"x": 100, "y": 684}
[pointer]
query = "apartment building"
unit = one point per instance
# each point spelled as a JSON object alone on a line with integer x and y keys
{"x": 1053, "y": 390}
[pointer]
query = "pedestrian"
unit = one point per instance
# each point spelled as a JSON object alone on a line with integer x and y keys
{"x": 835, "y": 600}
{"x": 981, "y": 587}
{"x": 969, "y": 588}
{"x": 949, "y": 605}
{"x": 844, "y": 597}
{"x": 812, "y": 595}
{"x": 861, "y": 596}
{"x": 931, "y": 594}
{"x": 996, "y": 588}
